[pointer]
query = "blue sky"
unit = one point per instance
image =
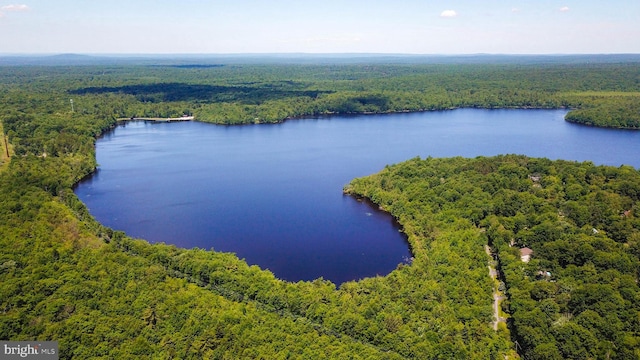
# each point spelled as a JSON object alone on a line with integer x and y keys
{"x": 329, "y": 26}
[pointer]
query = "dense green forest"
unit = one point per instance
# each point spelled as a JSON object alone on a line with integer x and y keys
{"x": 578, "y": 297}
{"x": 101, "y": 294}
{"x": 602, "y": 94}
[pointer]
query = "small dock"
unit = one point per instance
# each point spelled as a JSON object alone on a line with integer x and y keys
{"x": 157, "y": 119}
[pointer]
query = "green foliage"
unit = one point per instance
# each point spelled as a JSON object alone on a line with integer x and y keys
{"x": 65, "y": 277}
{"x": 578, "y": 297}
{"x": 599, "y": 94}
{"x": 617, "y": 111}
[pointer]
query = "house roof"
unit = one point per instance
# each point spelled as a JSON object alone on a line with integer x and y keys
{"x": 525, "y": 251}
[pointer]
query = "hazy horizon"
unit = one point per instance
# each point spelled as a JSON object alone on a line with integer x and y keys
{"x": 310, "y": 54}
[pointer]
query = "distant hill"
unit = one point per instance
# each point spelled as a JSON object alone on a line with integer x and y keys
{"x": 54, "y": 60}
{"x": 209, "y": 60}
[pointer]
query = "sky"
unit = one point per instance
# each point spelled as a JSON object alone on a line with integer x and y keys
{"x": 328, "y": 26}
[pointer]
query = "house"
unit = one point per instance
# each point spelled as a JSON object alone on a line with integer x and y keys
{"x": 535, "y": 177}
{"x": 543, "y": 274}
{"x": 525, "y": 254}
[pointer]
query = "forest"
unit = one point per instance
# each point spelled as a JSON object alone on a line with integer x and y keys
{"x": 102, "y": 294}
{"x": 578, "y": 297}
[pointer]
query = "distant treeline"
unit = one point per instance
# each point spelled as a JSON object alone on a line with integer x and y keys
{"x": 616, "y": 110}
{"x": 599, "y": 94}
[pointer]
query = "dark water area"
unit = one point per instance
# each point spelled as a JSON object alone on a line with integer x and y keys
{"x": 272, "y": 194}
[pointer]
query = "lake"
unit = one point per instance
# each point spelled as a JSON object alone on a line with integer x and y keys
{"x": 272, "y": 194}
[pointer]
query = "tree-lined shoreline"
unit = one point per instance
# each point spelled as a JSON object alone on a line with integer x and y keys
{"x": 65, "y": 277}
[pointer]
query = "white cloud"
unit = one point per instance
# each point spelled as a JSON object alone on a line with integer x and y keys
{"x": 15, "y": 7}
{"x": 564, "y": 9}
{"x": 515, "y": 10}
{"x": 448, "y": 14}
{"x": 12, "y": 8}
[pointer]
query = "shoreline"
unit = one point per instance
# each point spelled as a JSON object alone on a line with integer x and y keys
{"x": 412, "y": 243}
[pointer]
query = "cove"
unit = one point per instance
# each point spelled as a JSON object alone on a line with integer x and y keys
{"x": 272, "y": 194}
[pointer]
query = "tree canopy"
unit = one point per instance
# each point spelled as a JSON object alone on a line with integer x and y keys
{"x": 578, "y": 296}
{"x": 65, "y": 277}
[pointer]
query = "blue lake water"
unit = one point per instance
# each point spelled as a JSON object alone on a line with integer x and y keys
{"x": 272, "y": 194}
